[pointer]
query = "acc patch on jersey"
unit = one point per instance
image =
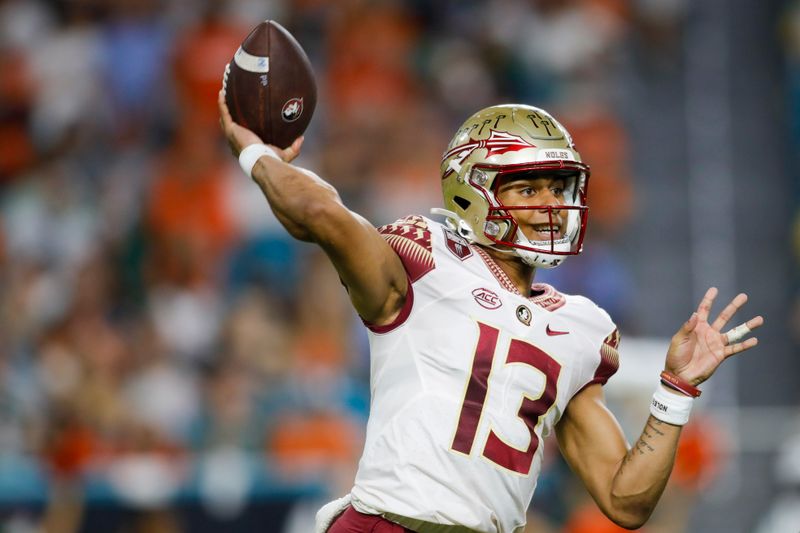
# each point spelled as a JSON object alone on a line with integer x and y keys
{"x": 487, "y": 298}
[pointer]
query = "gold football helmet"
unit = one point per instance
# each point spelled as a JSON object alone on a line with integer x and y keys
{"x": 505, "y": 140}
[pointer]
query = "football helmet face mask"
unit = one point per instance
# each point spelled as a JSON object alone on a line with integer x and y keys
{"x": 506, "y": 141}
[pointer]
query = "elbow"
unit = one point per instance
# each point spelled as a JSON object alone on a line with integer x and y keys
{"x": 295, "y": 231}
{"x": 630, "y": 522}
{"x": 318, "y": 215}
{"x": 318, "y": 211}
{"x": 307, "y": 216}
{"x": 630, "y": 515}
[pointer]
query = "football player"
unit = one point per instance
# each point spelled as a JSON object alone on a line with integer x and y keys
{"x": 473, "y": 364}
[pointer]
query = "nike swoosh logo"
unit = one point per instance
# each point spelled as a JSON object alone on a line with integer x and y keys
{"x": 553, "y": 332}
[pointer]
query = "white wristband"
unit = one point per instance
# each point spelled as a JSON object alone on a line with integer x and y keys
{"x": 671, "y": 408}
{"x": 251, "y": 154}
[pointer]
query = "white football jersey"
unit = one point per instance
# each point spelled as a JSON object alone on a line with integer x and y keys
{"x": 465, "y": 385}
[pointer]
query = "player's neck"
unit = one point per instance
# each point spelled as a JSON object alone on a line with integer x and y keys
{"x": 520, "y": 274}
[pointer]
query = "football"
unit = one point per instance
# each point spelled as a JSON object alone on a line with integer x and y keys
{"x": 269, "y": 85}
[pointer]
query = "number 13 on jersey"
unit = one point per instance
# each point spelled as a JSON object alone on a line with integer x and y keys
{"x": 532, "y": 409}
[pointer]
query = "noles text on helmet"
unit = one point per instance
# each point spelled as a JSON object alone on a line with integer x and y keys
{"x": 506, "y": 141}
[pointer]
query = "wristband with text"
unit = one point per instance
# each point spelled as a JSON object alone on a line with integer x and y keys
{"x": 671, "y": 408}
{"x": 684, "y": 387}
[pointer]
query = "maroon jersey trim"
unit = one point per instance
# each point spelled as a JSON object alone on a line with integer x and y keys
{"x": 609, "y": 359}
{"x": 401, "y": 318}
{"x": 547, "y": 297}
{"x": 352, "y": 520}
{"x": 410, "y": 238}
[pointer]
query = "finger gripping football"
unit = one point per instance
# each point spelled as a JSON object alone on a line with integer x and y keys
{"x": 269, "y": 85}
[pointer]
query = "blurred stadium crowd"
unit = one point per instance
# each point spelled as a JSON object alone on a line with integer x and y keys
{"x": 164, "y": 345}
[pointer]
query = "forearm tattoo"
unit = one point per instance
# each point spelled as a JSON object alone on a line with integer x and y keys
{"x": 650, "y": 434}
{"x": 653, "y": 425}
{"x": 655, "y": 440}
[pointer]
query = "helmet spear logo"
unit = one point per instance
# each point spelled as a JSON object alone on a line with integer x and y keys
{"x": 498, "y": 143}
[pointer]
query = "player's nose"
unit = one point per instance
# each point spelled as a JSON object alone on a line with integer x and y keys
{"x": 547, "y": 198}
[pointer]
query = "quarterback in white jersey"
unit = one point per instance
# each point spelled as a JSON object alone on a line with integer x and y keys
{"x": 468, "y": 381}
{"x": 473, "y": 364}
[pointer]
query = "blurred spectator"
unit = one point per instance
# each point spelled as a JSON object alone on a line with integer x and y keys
{"x": 187, "y": 212}
{"x": 134, "y": 64}
{"x": 65, "y": 67}
{"x": 369, "y": 52}
{"x": 161, "y": 391}
{"x": 200, "y": 56}
{"x": 17, "y": 152}
{"x": 556, "y": 66}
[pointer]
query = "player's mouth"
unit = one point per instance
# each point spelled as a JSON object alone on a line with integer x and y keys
{"x": 546, "y": 232}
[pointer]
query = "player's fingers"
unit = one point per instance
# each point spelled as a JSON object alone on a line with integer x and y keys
{"x": 227, "y": 119}
{"x": 298, "y": 143}
{"x": 224, "y": 113}
{"x": 290, "y": 153}
{"x": 689, "y": 325}
{"x": 740, "y": 347}
{"x": 755, "y": 322}
{"x": 226, "y": 122}
{"x": 705, "y": 304}
{"x": 730, "y": 310}
{"x": 683, "y": 333}
{"x": 296, "y": 146}
{"x": 734, "y": 335}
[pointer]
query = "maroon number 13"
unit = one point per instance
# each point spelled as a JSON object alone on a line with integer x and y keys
{"x": 530, "y": 411}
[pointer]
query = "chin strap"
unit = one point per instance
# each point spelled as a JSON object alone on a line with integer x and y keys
{"x": 450, "y": 217}
{"x": 500, "y": 250}
{"x": 455, "y": 223}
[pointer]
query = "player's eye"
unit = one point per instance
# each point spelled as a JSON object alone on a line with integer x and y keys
{"x": 557, "y": 191}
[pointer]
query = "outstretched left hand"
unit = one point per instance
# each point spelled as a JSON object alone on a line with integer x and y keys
{"x": 698, "y": 348}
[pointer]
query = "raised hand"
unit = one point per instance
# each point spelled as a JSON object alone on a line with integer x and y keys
{"x": 240, "y": 137}
{"x": 698, "y": 348}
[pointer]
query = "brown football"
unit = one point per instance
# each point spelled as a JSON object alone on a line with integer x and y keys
{"x": 269, "y": 85}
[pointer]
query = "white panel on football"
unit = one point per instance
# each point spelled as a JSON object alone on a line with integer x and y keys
{"x": 250, "y": 62}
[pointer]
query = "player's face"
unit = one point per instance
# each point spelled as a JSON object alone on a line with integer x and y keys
{"x": 541, "y": 189}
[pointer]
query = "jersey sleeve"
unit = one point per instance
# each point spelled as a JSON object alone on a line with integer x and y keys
{"x": 410, "y": 238}
{"x": 603, "y": 355}
{"x": 609, "y": 359}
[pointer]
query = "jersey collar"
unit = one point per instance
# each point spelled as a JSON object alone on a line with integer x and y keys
{"x": 542, "y": 294}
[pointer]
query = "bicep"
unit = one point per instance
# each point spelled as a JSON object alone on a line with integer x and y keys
{"x": 367, "y": 265}
{"x": 592, "y": 442}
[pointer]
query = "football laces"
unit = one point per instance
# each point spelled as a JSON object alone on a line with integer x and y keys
{"x": 225, "y": 79}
